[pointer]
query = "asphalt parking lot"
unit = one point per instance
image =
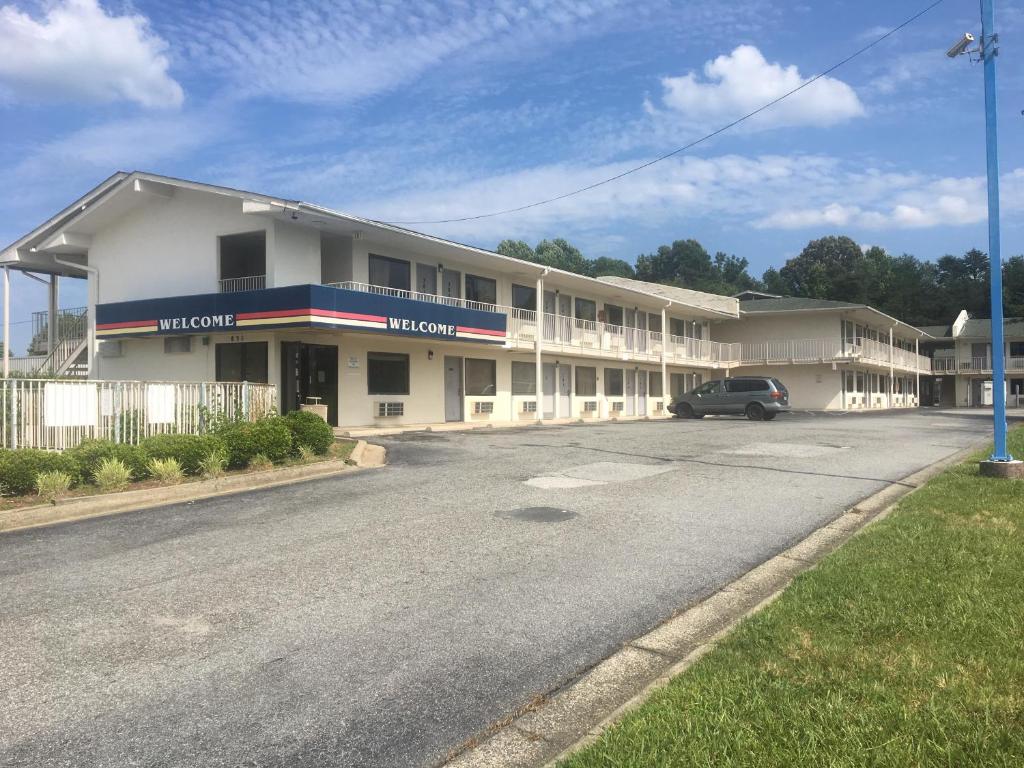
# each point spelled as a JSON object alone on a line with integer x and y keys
{"x": 383, "y": 618}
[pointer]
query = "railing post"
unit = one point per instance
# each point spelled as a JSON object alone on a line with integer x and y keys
{"x": 245, "y": 400}
{"x": 890, "y": 368}
{"x": 917, "y": 370}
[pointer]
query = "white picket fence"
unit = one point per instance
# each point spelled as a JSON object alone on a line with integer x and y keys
{"x": 57, "y": 414}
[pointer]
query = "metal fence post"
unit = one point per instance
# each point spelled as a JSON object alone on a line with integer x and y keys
{"x": 245, "y": 400}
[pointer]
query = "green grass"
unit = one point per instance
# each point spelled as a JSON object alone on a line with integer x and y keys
{"x": 904, "y": 648}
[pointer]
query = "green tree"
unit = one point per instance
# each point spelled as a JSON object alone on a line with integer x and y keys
{"x": 516, "y": 249}
{"x": 963, "y": 282}
{"x": 1013, "y": 286}
{"x": 604, "y": 265}
{"x": 828, "y": 268}
{"x": 772, "y": 282}
{"x": 561, "y": 254}
{"x": 684, "y": 263}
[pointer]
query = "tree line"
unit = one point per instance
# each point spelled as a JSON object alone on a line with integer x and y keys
{"x": 834, "y": 267}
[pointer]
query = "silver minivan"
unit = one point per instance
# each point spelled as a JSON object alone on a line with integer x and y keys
{"x": 759, "y": 398}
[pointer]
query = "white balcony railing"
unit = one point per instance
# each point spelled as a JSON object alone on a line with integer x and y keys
{"x": 400, "y": 293}
{"x": 570, "y": 334}
{"x": 247, "y": 283}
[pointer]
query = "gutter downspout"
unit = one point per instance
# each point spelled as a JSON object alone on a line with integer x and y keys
{"x": 91, "y": 318}
{"x": 538, "y": 347}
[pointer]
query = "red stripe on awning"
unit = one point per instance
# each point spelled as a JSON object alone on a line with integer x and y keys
{"x": 481, "y": 331}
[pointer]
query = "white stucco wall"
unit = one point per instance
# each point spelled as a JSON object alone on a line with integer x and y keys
{"x": 814, "y": 387}
{"x": 167, "y": 247}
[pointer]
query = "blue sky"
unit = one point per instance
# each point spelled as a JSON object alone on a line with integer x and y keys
{"x": 430, "y": 110}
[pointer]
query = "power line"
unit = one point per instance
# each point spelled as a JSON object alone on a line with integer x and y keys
{"x": 692, "y": 144}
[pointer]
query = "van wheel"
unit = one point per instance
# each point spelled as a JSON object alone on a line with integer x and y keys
{"x": 770, "y": 416}
{"x": 686, "y": 411}
{"x": 755, "y": 412}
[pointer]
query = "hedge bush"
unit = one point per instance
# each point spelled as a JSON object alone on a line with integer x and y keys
{"x": 310, "y": 431}
{"x": 19, "y": 468}
{"x": 88, "y": 454}
{"x": 190, "y": 451}
{"x": 245, "y": 439}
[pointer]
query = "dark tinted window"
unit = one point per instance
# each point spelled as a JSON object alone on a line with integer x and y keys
{"x": 613, "y": 382}
{"x": 389, "y": 273}
{"x": 711, "y": 388}
{"x": 586, "y": 309}
{"x": 482, "y": 289}
{"x": 387, "y": 373}
{"x": 586, "y": 381}
{"x": 481, "y": 377}
{"x": 524, "y": 297}
{"x": 746, "y": 385}
{"x": 246, "y": 361}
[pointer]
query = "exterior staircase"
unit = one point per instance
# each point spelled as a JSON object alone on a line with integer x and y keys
{"x": 69, "y": 357}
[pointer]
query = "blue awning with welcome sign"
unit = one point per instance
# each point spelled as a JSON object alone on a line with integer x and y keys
{"x": 298, "y": 306}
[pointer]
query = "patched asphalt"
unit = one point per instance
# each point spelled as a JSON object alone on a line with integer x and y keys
{"x": 383, "y": 618}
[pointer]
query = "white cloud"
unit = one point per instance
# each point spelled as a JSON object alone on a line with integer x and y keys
{"x": 78, "y": 52}
{"x": 337, "y": 51}
{"x": 735, "y": 84}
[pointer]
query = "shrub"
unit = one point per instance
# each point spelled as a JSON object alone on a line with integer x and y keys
{"x": 259, "y": 462}
{"x": 309, "y": 430}
{"x": 88, "y": 454}
{"x": 112, "y": 474}
{"x": 167, "y": 471}
{"x": 188, "y": 450}
{"x": 52, "y": 484}
{"x": 244, "y": 439}
{"x": 20, "y": 467}
{"x": 213, "y": 465}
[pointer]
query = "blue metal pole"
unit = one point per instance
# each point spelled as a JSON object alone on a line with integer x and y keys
{"x": 988, "y": 53}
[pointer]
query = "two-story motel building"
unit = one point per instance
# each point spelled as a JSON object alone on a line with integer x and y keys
{"x": 386, "y": 326}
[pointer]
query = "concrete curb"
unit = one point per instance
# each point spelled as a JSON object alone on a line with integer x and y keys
{"x": 576, "y": 714}
{"x": 369, "y": 456}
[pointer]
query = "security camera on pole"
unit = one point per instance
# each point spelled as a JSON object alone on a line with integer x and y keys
{"x": 1000, "y": 463}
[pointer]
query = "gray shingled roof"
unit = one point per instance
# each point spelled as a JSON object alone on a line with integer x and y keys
{"x": 982, "y": 329}
{"x": 938, "y": 331}
{"x": 791, "y": 303}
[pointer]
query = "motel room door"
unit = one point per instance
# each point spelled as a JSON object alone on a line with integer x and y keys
{"x": 451, "y": 283}
{"x": 641, "y": 393}
{"x": 309, "y": 371}
{"x": 564, "y": 390}
{"x": 548, "y": 382}
{"x": 453, "y": 389}
{"x": 629, "y": 384}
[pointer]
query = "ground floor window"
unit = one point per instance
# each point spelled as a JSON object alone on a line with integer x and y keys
{"x": 655, "y": 384}
{"x": 613, "y": 382}
{"x": 524, "y": 378}
{"x": 586, "y": 381}
{"x": 387, "y": 373}
{"x": 242, "y": 361}
{"x": 481, "y": 377}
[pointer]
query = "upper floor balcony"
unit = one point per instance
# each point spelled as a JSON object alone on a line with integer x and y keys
{"x": 570, "y": 335}
{"x": 953, "y": 365}
{"x": 239, "y": 284}
{"x": 809, "y": 351}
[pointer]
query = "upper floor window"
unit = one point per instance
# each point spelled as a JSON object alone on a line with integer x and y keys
{"x": 389, "y": 273}
{"x": 586, "y": 309}
{"x": 524, "y": 297}
{"x": 243, "y": 261}
{"x": 482, "y": 289}
{"x": 612, "y": 314}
